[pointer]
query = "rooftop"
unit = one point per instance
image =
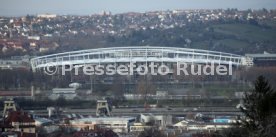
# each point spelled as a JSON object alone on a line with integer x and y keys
{"x": 95, "y": 119}
{"x": 265, "y": 55}
{"x": 19, "y": 116}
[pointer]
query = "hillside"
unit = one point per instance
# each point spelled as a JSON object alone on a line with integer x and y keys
{"x": 234, "y": 38}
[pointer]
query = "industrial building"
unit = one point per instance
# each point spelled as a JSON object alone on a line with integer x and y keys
{"x": 265, "y": 59}
{"x": 117, "y": 124}
{"x": 66, "y": 93}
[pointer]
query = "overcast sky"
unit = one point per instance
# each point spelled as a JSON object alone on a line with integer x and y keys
{"x": 87, "y": 7}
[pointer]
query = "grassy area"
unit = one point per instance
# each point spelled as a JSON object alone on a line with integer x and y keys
{"x": 201, "y": 45}
{"x": 246, "y": 32}
{"x": 239, "y": 38}
{"x": 234, "y": 44}
{"x": 270, "y": 23}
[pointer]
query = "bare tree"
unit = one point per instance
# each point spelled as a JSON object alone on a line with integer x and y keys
{"x": 145, "y": 88}
{"x": 153, "y": 132}
{"x": 117, "y": 87}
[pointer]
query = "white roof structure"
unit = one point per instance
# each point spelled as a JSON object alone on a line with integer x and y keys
{"x": 137, "y": 54}
{"x": 64, "y": 90}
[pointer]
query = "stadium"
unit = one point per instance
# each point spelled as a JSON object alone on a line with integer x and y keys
{"x": 141, "y": 54}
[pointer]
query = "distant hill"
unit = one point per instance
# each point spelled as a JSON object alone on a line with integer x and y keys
{"x": 234, "y": 38}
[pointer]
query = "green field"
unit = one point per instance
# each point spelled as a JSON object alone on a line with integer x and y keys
{"x": 247, "y": 32}
{"x": 239, "y": 38}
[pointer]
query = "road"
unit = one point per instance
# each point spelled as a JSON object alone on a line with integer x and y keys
{"x": 136, "y": 111}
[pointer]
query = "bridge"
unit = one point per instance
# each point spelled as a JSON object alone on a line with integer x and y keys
{"x": 139, "y": 54}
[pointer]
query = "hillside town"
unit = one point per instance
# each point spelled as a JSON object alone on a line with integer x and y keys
{"x": 47, "y": 33}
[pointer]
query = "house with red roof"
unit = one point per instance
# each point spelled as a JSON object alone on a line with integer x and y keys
{"x": 19, "y": 121}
